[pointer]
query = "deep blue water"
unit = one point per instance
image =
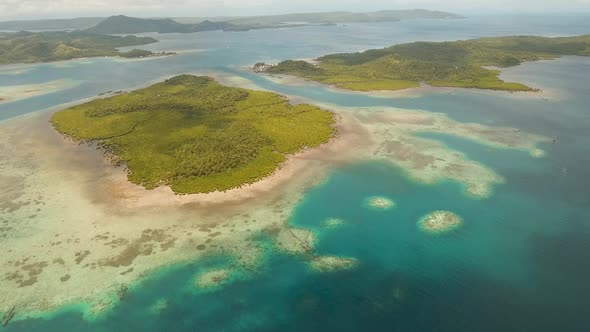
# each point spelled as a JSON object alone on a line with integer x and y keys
{"x": 521, "y": 261}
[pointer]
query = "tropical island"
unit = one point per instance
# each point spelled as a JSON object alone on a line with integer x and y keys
{"x": 195, "y": 135}
{"x": 464, "y": 63}
{"x": 30, "y": 47}
{"x": 124, "y": 24}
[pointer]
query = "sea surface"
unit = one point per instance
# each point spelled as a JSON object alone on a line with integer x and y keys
{"x": 520, "y": 262}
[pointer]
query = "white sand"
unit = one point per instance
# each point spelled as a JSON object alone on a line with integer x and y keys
{"x": 19, "y": 92}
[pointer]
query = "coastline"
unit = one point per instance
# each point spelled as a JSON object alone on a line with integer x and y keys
{"x": 301, "y": 164}
{"x": 114, "y": 243}
{"x": 423, "y": 89}
{"x": 111, "y": 237}
{"x": 14, "y": 93}
{"x": 540, "y": 92}
{"x": 19, "y": 65}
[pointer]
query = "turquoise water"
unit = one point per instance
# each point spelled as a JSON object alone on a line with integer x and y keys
{"x": 521, "y": 261}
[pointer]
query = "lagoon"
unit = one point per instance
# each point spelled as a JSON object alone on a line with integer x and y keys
{"x": 518, "y": 262}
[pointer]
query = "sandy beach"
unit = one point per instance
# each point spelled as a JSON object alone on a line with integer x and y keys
{"x": 19, "y": 92}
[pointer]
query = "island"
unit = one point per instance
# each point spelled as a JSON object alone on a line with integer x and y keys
{"x": 119, "y": 24}
{"x": 125, "y": 24}
{"x": 31, "y": 47}
{"x": 195, "y": 135}
{"x": 464, "y": 63}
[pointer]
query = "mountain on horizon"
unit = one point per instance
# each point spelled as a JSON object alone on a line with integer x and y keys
{"x": 122, "y": 24}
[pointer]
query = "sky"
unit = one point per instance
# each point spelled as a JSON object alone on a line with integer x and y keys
{"x": 35, "y": 9}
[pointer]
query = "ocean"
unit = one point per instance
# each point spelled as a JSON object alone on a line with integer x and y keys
{"x": 519, "y": 262}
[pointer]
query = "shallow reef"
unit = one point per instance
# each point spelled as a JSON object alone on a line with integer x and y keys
{"x": 440, "y": 222}
{"x": 380, "y": 203}
{"x": 213, "y": 278}
{"x": 332, "y": 263}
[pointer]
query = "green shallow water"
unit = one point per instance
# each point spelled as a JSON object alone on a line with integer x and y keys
{"x": 460, "y": 281}
{"x": 520, "y": 261}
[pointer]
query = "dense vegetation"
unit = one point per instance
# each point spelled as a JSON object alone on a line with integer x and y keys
{"x": 125, "y": 24}
{"x": 196, "y": 135}
{"x": 27, "y": 47}
{"x": 448, "y": 64}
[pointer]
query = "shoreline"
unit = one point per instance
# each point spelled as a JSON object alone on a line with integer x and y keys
{"x": 110, "y": 228}
{"x": 132, "y": 196}
{"x": 120, "y": 233}
{"x": 292, "y": 80}
{"x": 27, "y": 64}
{"x": 14, "y": 93}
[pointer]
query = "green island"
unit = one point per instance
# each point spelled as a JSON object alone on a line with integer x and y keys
{"x": 196, "y": 135}
{"x": 462, "y": 63}
{"x": 124, "y": 24}
{"x": 30, "y": 47}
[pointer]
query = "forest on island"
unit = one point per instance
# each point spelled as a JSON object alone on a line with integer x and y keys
{"x": 30, "y": 47}
{"x": 196, "y": 135}
{"x": 464, "y": 63}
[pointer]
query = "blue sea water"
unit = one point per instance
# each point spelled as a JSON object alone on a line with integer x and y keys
{"x": 520, "y": 262}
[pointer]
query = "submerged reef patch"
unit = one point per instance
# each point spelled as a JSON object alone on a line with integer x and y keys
{"x": 380, "y": 203}
{"x": 332, "y": 263}
{"x": 159, "y": 306}
{"x": 213, "y": 279}
{"x": 332, "y": 223}
{"x": 295, "y": 241}
{"x": 537, "y": 153}
{"x": 440, "y": 222}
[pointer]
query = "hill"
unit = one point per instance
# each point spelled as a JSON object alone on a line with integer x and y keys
{"x": 196, "y": 135}
{"x": 444, "y": 64}
{"x": 345, "y": 17}
{"x": 125, "y": 24}
{"x": 28, "y": 47}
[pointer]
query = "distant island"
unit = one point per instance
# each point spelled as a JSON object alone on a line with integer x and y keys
{"x": 121, "y": 24}
{"x": 125, "y": 24}
{"x": 30, "y": 47}
{"x": 195, "y": 135}
{"x": 462, "y": 64}
{"x": 302, "y": 19}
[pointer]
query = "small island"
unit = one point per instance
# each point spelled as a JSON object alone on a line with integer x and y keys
{"x": 464, "y": 64}
{"x": 32, "y": 47}
{"x": 439, "y": 222}
{"x": 195, "y": 135}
